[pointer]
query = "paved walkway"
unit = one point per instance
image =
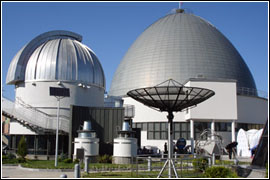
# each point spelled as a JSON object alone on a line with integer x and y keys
{"x": 17, "y": 172}
{"x": 241, "y": 159}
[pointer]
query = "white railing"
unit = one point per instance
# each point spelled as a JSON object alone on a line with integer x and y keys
{"x": 28, "y": 114}
{"x": 252, "y": 92}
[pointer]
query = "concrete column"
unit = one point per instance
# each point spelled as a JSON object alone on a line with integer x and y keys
{"x": 192, "y": 136}
{"x": 212, "y": 129}
{"x": 149, "y": 163}
{"x": 233, "y": 130}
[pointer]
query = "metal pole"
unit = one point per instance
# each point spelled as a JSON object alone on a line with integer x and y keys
{"x": 77, "y": 171}
{"x": 212, "y": 130}
{"x": 57, "y": 127}
{"x": 192, "y": 136}
{"x": 170, "y": 118}
{"x": 86, "y": 164}
{"x": 233, "y": 130}
{"x": 149, "y": 163}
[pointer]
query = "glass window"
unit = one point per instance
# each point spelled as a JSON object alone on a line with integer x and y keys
{"x": 144, "y": 126}
{"x": 229, "y": 127}
{"x": 177, "y": 135}
{"x": 184, "y": 126}
{"x": 184, "y": 135}
{"x": 223, "y": 126}
{"x": 150, "y": 126}
{"x": 188, "y": 126}
{"x": 164, "y": 126}
{"x": 157, "y": 135}
{"x": 207, "y": 125}
{"x": 157, "y": 126}
{"x": 177, "y": 126}
{"x": 150, "y": 135}
{"x": 30, "y": 141}
{"x": 217, "y": 126}
{"x": 188, "y": 135}
{"x": 164, "y": 135}
{"x": 197, "y": 136}
{"x": 198, "y": 127}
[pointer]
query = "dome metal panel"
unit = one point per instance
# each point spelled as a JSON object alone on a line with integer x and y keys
{"x": 56, "y": 56}
{"x": 179, "y": 46}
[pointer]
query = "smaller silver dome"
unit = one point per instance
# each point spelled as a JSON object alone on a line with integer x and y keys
{"x": 56, "y": 56}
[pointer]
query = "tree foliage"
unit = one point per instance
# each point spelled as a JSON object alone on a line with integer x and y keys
{"x": 22, "y": 148}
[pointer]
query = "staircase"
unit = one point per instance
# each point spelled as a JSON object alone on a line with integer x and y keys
{"x": 32, "y": 118}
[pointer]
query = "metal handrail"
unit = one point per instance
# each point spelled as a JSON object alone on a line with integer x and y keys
{"x": 26, "y": 114}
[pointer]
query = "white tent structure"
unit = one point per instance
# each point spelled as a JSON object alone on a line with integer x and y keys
{"x": 247, "y": 140}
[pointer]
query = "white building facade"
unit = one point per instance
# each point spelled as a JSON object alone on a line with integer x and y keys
{"x": 224, "y": 113}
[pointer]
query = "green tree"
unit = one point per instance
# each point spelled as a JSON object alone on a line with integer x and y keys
{"x": 22, "y": 148}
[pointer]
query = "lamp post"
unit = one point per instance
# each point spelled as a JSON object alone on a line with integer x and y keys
{"x": 59, "y": 93}
{"x": 57, "y": 129}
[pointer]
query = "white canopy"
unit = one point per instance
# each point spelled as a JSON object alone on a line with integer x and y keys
{"x": 247, "y": 140}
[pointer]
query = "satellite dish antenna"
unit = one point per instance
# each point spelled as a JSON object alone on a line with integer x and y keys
{"x": 170, "y": 96}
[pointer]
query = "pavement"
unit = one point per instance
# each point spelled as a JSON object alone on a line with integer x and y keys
{"x": 241, "y": 159}
{"x": 18, "y": 172}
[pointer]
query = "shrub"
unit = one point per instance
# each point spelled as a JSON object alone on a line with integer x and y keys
{"x": 11, "y": 156}
{"x": 22, "y": 148}
{"x": 200, "y": 164}
{"x": 219, "y": 172}
{"x": 62, "y": 157}
{"x": 9, "y": 159}
{"x": 67, "y": 160}
{"x": 76, "y": 161}
{"x": 105, "y": 159}
{"x": 21, "y": 160}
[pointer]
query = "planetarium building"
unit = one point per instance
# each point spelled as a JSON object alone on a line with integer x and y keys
{"x": 192, "y": 51}
{"x": 179, "y": 46}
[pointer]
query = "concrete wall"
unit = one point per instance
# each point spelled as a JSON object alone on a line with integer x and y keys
{"x": 221, "y": 106}
{"x": 38, "y": 96}
{"x": 226, "y": 139}
{"x": 252, "y": 110}
{"x": 17, "y": 128}
{"x": 145, "y": 114}
{"x": 224, "y": 106}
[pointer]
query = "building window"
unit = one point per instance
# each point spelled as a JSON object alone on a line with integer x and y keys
{"x": 144, "y": 126}
{"x": 159, "y": 130}
{"x": 247, "y": 126}
{"x": 222, "y": 126}
{"x": 199, "y": 127}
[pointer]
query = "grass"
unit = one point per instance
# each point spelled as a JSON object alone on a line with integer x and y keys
{"x": 224, "y": 162}
{"x": 151, "y": 174}
{"x": 49, "y": 164}
{"x": 42, "y": 164}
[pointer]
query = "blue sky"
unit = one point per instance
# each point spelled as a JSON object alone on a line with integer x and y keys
{"x": 109, "y": 29}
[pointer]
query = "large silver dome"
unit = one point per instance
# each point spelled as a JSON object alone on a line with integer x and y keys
{"x": 179, "y": 46}
{"x": 56, "y": 56}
